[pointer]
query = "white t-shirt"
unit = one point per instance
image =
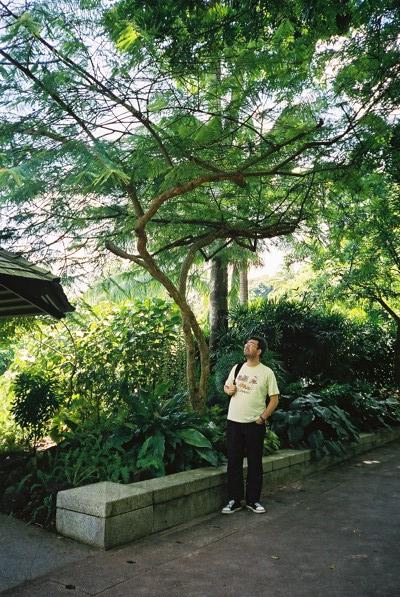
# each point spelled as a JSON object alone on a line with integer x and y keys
{"x": 253, "y": 385}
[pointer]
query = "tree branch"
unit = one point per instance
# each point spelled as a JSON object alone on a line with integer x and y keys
{"x": 105, "y": 90}
{"x": 113, "y": 248}
{"x": 51, "y": 93}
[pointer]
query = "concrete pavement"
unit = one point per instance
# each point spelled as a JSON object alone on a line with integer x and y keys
{"x": 335, "y": 534}
{"x": 27, "y": 551}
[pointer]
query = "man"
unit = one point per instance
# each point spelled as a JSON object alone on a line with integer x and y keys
{"x": 247, "y": 416}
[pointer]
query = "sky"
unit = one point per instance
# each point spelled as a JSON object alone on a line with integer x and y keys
{"x": 273, "y": 261}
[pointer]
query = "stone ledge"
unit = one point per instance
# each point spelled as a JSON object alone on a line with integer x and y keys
{"x": 164, "y": 489}
{"x": 108, "y": 514}
{"x": 104, "y": 499}
{"x": 105, "y": 532}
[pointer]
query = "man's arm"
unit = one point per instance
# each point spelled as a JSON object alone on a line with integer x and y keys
{"x": 272, "y": 404}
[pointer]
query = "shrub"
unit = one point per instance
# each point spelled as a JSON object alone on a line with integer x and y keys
{"x": 312, "y": 344}
{"x": 155, "y": 433}
{"x": 110, "y": 352}
{"x": 362, "y": 404}
{"x": 11, "y": 437}
{"x": 271, "y": 442}
{"x": 34, "y": 404}
{"x": 135, "y": 345}
{"x": 171, "y": 436}
{"x": 309, "y": 422}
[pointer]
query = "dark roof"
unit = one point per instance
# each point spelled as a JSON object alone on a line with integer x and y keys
{"x": 26, "y": 289}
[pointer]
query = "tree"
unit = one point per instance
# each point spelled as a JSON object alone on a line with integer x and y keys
{"x": 120, "y": 147}
{"x": 357, "y": 249}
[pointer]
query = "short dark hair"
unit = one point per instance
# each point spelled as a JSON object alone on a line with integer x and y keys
{"x": 262, "y": 344}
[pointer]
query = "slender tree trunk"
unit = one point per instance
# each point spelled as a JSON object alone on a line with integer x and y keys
{"x": 198, "y": 392}
{"x": 190, "y": 357}
{"x": 244, "y": 286}
{"x": 233, "y": 298}
{"x": 199, "y": 401}
{"x": 397, "y": 355}
{"x": 191, "y": 328}
{"x": 218, "y": 301}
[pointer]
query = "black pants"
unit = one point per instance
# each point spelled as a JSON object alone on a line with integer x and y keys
{"x": 245, "y": 439}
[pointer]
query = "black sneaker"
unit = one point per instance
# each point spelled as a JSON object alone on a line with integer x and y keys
{"x": 256, "y": 507}
{"x": 231, "y": 507}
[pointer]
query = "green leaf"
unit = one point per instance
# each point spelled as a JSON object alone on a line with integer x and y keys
{"x": 208, "y": 455}
{"x": 209, "y": 132}
{"x": 128, "y": 37}
{"x": 306, "y": 418}
{"x": 26, "y": 20}
{"x": 151, "y": 453}
{"x": 194, "y": 438}
{"x": 316, "y": 439}
{"x": 294, "y": 419}
{"x": 7, "y": 172}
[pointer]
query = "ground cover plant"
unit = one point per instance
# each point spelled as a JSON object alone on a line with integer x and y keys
{"x": 305, "y": 421}
{"x": 153, "y": 433}
{"x": 329, "y": 418}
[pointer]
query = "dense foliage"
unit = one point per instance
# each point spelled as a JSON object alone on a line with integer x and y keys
{"x": 354, "y": 248}
{"x": 106, "y": 353}
{"x": 110, "y": 390}
{"x": 11, "y": 435}
{"x": 328, "y": 419}
{"x": 313, "y": 345}
{"x": 305, "y": 421}
{"x": 152, "y": 434}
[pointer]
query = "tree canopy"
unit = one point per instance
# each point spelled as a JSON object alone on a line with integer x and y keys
{"x": 357, "y": 249}
{"x": 165, "y": 133}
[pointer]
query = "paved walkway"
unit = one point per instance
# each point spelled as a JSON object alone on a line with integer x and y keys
{"x": 336, "y": 534}
{"x": 27, "y": 552}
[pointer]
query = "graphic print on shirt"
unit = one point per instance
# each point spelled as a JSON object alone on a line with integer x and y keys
{"x": 244, "y": 383}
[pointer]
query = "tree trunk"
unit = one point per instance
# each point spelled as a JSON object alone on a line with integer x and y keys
{"x": 218, "y": 301}
{"x": 243, "y": 286}
{"x": 199, "y": 400}
{"x": 397, "y": 355}
{"x": 190, "y": 356}
{"x": 194, "y": 335}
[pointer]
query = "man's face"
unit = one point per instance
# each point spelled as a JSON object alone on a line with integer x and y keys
{"x": 251, "y": 348}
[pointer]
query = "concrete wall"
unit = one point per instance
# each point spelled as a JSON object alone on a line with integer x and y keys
{"x": 108, "y": 514}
